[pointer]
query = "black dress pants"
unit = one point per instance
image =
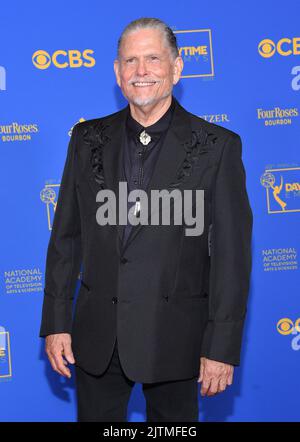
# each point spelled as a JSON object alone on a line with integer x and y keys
{"x": 105, "y": 398}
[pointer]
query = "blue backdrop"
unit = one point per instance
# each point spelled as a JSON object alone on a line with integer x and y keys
{"x": 242, "y": 71}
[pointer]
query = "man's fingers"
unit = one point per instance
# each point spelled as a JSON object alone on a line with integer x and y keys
{"x": 58, "y": 348}
{"x": 68, "y": 353}
{"x": 222, "y": 385}
{"x": 56, "y": 368}
{"x": 205, "y": 386}
{"x": 54, "y": 365}
{"x": 52, "y": 362}
{"x": 60, "y": 365}
{"x": 201, "y": 373}
{"x": 200, "y": 376}
{"x": 215, "y": 377}
{"x": 213, "y": 388}
{"x": 230, "y": 378}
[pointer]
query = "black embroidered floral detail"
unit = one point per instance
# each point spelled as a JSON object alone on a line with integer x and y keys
{"x": 96, "y": 139}
{"x": 200, "y": 142}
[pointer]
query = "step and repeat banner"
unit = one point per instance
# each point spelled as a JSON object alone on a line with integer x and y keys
{"x": 241, "y": 71}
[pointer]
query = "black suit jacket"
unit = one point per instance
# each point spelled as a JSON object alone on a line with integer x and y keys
{"x": 167, "y": 297}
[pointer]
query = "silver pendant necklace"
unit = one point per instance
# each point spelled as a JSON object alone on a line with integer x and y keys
{"x": 145, "y": 138}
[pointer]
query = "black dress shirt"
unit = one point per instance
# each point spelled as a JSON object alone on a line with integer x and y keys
{"x": 138, "y": 159}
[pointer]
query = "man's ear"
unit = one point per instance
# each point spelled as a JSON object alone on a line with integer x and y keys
{"x": 116, "y": 69}
{"x": 177, "y": 69}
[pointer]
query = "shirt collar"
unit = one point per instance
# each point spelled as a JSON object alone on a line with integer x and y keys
{"x": 155, "y": 130}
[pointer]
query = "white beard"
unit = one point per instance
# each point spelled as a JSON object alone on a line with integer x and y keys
{"x": 150, "y": 100}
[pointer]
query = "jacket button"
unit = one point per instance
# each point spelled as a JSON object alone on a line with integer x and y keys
{"x": 114, "y": 300}
{"x": 123, "y": 260}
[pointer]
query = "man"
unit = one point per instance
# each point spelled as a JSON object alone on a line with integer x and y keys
{"x": 155, "y": 306}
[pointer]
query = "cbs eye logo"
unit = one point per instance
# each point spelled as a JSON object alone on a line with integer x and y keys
{"x": 63, "y": 59}
{"x": 284, "y": 47}
{"x": 266, "y": 48}
{"x": 285, "y": 326}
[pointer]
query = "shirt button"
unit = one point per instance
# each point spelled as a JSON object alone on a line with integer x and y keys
{"x": 124, "y": 260}
{"x": 114, "y": 300}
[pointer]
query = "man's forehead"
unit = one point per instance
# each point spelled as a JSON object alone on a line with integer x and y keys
{"x": 148, "y": 52}
{"x": 143, "y": 47}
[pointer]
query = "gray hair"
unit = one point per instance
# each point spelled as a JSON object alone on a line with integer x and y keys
{"x": 153, "y": 23}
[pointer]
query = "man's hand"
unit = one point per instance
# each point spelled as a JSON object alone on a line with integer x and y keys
{"x": 215, "y": 376}
{"x": 56, "y": 346}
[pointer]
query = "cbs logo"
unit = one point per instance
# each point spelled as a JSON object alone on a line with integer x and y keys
{"x": 285, "y": 326}
{"x": 284, "y": 47}
{"x": 63, "y": 59}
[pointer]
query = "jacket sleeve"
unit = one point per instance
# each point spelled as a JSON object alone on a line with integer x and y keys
{"x": 230, "y": 257}
{"x": 64, "y": 252}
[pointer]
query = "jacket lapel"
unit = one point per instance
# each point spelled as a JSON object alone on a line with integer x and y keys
{"x": 105, "y": 138}
{"x": 108, "y": 152}
{"x": 113, "y": 161}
